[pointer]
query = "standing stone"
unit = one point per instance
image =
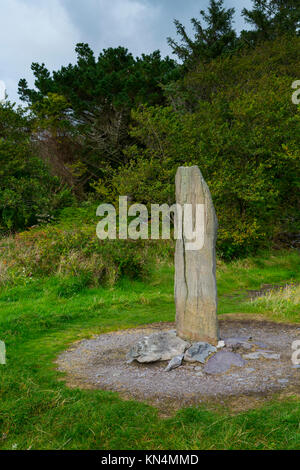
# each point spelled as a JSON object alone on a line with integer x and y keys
{"x": 195, "y": 270}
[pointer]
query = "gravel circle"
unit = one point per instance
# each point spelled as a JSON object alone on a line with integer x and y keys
{"x": 100, "y": 363}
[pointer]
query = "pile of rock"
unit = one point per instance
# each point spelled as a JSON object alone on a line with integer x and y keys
{"x": 167, "y": 346}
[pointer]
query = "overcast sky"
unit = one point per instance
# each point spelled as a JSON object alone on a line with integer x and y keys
{"x": 47, "y": 30}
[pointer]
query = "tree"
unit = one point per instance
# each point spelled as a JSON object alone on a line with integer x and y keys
{"x": 27, "y": 191}
{"x": 270, "y": 19}
{"x": 96, "y": 97}
{"x": 216, "y": 39}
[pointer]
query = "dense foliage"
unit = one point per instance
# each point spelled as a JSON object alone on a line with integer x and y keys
{"x": 270, "y": 19}
{"x": 209, "y": 42}
{"x": 28, "y": 193}
{"x": 84, "y": 109}
{"x": 236, "y": 120}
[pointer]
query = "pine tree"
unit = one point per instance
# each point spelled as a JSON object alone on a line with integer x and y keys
{"x": 217, "y": 38}
{"x": 270, "y": 19}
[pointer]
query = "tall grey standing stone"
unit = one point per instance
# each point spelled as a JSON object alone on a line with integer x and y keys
{"x": 195, "y": 271}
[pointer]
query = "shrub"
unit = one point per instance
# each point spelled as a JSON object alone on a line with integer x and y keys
{"x": 74, "y": 252}
{"x": 28, "y": 193}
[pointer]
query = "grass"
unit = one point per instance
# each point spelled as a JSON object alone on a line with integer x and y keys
{"x": 282, "y": 304}
{"x": 41, "y": 317}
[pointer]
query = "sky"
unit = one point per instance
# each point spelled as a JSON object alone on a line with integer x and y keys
{"x": 46, "y": 31}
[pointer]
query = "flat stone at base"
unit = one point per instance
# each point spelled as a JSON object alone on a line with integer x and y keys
{"x": 260, "y": 344}
{"x": 238, "y": 343}
{"x": 223, "y": 361}
{"x": 262, "y": 354}
{"x": 199, "y": 352}
{"x": 158, "y": 347}
{"x": 283, "y": 381}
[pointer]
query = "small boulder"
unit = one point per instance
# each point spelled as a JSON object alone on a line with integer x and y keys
{"x": 174, "y": 363}
{"x": 223, "y": 361}
{"x": 199, "y": 352}
{"x": 157, "y": 347}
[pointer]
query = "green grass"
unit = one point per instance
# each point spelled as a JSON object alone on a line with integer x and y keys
{"x": 40, "y": 318}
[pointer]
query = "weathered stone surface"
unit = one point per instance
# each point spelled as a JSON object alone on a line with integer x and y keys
{"x": 223, "y": 361}
{"x": 262, "y": 354}
{"x": 158, "y": 347}
{"x": 260, "y": 344}
{"x": 283, "y": 381}
{"x": 195, "y": 270}
{"x": 199, "y": 352}
{"x": 174, "y": 363}
{"x": 238, "y": 343}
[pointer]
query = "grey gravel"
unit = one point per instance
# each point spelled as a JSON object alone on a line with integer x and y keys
{"x": 262, "y": 354}
{"x": 92, "y": 364}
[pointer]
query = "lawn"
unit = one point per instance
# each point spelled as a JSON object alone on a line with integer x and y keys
{"x": 42, "y": 317}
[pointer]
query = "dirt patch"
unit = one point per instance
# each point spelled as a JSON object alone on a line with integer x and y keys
{"x": 100, "y": 363}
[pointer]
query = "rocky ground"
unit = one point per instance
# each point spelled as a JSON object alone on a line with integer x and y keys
{"x": 261, "y": 366}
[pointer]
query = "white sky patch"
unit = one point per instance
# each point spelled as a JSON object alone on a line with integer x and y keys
{"x": 129, "y": 16}
{"x": 33, "y": 32}
{"x": 133, "y": 24}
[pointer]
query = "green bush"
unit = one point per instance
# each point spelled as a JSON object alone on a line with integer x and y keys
{"x": 74, "y": 253}
{"x": 28, "y": 193}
